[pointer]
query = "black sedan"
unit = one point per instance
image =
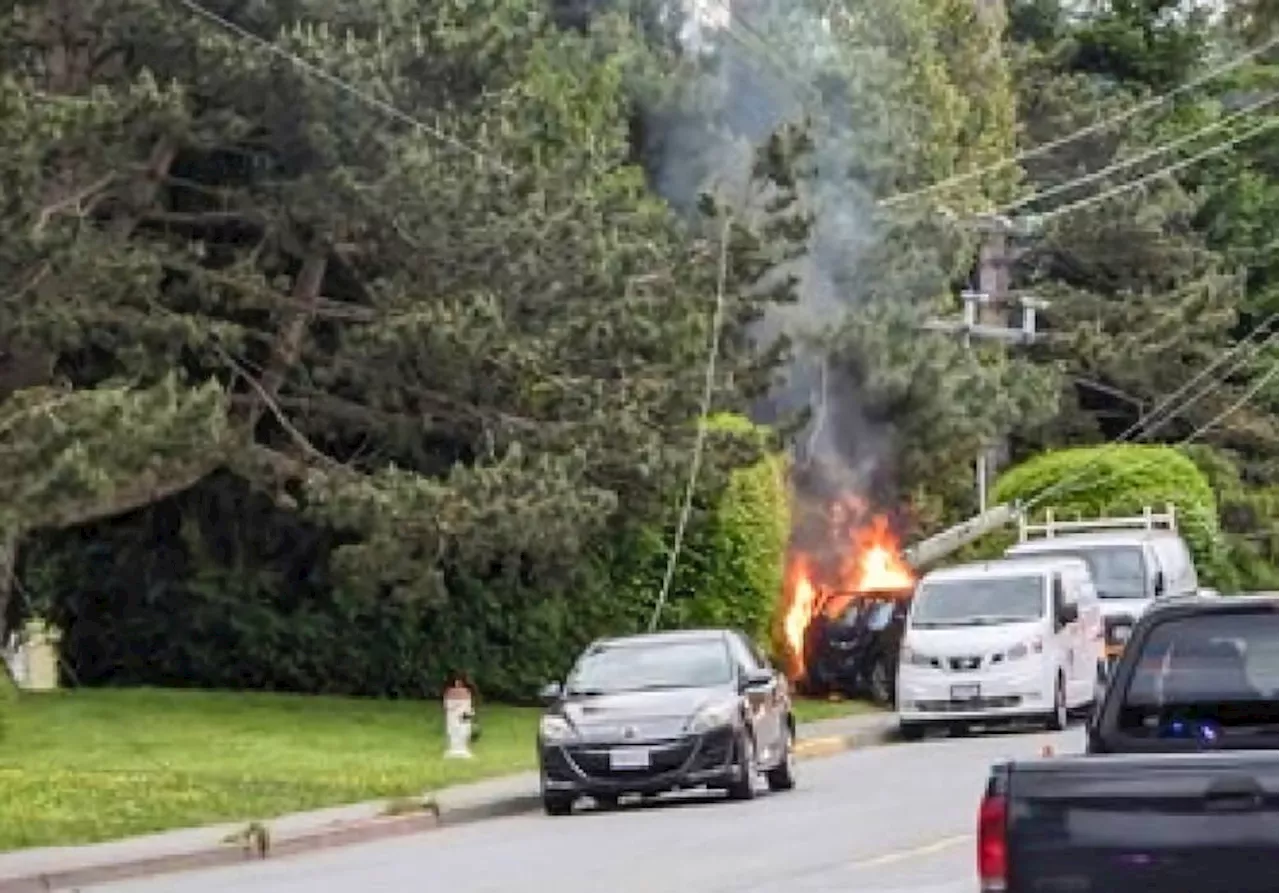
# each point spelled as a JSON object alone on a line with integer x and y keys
{"x": 663, "y": 712}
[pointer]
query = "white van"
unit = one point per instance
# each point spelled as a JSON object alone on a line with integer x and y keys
{"x": 1008, "y": 639}
{"x": 1132, "y": 560}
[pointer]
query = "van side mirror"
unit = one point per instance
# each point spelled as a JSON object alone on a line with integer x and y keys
{"x": 1158, "y": 584}
{"x": 550, "y": 693}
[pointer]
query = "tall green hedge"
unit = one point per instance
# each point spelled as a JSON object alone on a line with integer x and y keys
{"x": 732, "y": 563}
{"x": 1122, "y": 480}
{"x": 219, "y": 588}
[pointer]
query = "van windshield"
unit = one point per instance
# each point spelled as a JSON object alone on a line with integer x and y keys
{"x": 1117, "y": 571}
{"x": 982, "y": 601}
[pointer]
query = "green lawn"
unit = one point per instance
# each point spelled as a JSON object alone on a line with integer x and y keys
{"x": 92, "y": 765}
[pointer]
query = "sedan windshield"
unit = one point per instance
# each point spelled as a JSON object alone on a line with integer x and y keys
{"x": 979, "y": 602}
{"x": 621, "y": 668}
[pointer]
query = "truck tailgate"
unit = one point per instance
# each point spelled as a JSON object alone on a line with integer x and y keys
{"x": 1168, "y": 822}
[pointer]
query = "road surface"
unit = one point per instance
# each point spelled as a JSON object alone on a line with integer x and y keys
{"x": 895, "y": 819}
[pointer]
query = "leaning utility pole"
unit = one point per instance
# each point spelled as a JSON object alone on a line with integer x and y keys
{"x": 986, "y": 316}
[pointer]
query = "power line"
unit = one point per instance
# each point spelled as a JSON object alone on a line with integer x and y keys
{"x": 1146, "y": 424}
{"x": 345, "y": 86}
{"x": 708, "y": 389}
{"x": 1216, "y": 149}
{"x": 1268, "y": 376}
{"x": 1104, "y": 124}
{"x": 1137, "y": 159}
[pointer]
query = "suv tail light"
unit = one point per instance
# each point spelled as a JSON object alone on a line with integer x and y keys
{"x": 993, "y": 853}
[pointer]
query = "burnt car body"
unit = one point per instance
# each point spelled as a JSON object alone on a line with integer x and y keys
{"x": 851, "y": 646}
{"x": 662, "y": 712}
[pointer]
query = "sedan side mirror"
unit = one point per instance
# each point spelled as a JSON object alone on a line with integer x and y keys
{"x": 551, "y": 692}
{"x": 1068, "y": 613}
{"x": 757, "y": 680}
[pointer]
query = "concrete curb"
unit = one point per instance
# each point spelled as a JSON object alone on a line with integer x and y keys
{"x": 221, "y": 854}
{"x": 210, "y": 851}
{"x": 874, "y": 735}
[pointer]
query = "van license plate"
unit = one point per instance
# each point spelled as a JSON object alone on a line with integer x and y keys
{"x": 970, "y": 692}
{"x": 629, "y": 758}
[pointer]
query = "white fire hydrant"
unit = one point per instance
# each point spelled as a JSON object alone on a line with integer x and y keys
{"x": 459, "y": 716}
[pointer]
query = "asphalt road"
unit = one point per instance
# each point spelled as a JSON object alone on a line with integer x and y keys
{"x": 895, "y": 819}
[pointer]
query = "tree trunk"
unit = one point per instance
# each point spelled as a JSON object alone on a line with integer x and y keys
{"x": 287, "y": 346}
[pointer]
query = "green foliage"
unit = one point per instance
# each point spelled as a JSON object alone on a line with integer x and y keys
{"x": 1248, "y": 517}
{"x": 1123, "y": 480}
{"x": 220, "y": 588}
{"x": 733, "y": 561}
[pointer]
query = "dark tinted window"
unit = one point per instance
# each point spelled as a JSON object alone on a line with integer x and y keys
{"x": 1207, "y": 678}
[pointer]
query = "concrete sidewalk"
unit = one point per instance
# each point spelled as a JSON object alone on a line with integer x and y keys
{"x": 62, "y": 868}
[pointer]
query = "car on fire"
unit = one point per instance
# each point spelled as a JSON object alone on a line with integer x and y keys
{"x": 852, "y": 643}
{"x": 661, "y": 712}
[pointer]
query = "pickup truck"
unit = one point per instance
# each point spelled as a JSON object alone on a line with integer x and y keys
{"x": 1176, "y": 790}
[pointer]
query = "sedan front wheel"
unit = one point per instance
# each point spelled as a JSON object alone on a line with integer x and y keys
{"x": 782, "y": 777}
{"x": 744, "y": 786}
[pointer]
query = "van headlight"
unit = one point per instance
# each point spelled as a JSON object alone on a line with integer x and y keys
{"x": 1022, "y": 649}
{"x": 556, "y": 729}
{"x": 915, "y": 658}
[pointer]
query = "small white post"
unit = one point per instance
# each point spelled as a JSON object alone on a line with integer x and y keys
{"x": 458, "y": 718}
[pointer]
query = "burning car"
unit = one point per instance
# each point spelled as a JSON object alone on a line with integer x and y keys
{"x": 851, "y": 645}
{"x": 845, "y": 605}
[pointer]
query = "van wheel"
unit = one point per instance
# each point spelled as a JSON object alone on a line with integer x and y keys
{"x": 1058, "y": 716}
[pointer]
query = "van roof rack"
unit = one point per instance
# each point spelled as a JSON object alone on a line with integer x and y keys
{"x": 1148, "y": 520}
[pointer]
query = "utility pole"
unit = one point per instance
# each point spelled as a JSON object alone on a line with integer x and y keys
{"x": 986, "y": 317}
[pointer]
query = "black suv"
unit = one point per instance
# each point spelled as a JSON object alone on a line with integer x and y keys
{"x": 654, "y": 713}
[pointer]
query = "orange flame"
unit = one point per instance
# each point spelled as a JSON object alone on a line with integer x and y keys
{"x": 880, "y": 565}
{"x": 870, "y": 560}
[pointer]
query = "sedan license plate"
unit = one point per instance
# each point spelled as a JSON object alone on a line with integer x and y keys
{"x": 969, "y": 692}
{"x": 629, "y": 758}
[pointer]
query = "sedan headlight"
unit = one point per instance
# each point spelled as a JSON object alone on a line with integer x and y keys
{"x": 713, "y": 717}
{"x": 556, "y": 729}
{"x": 1022, "y": 649}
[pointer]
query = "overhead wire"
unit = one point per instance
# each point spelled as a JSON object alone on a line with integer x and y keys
{"x": 708, "y": 391}
{"x": 344, "y": 86}
{"x": 1146, "y": 155}
{"x": 1122, "y": 189}
{"x": 1151, "y": 421}
{"x": 1095, "y": 127}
